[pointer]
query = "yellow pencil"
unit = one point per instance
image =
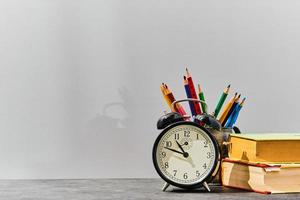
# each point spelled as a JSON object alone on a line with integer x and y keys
{"x": 164, "y": 92}
{"x": 227, "y": 108}
{"x": 169, "y": 98}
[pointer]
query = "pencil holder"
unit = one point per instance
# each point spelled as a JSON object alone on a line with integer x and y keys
{"x": 221, "y": 134}
{"x": 189, "y": 146}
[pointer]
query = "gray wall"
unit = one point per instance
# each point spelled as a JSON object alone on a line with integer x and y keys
{"x": 79, "y": 80}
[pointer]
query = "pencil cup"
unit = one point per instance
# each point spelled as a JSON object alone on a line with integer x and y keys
{"x": 222, "y": 139}
{"x": 213, "y": 126}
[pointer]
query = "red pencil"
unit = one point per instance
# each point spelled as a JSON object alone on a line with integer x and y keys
{"x": 193, "y": 92}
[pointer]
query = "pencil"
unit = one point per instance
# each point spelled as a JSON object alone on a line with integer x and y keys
{"x": 164, "y": 92}
{"x": 169, "y": 98}
{"x": 188, "y": 94}
{"x": 221, "y": 101}
{"x": 233, "y": 118}
{"x": 193, "y": 92}
{"x": 201, "y": 97}
{"x": 227, "y": 108}
{"x": 178, "y": 106}
{"x": 235, "y": 103}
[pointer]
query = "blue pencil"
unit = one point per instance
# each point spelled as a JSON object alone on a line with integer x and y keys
{"x": 234, "y": 115}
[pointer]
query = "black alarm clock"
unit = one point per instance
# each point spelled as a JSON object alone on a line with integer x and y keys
{"x": 185, "y": 154}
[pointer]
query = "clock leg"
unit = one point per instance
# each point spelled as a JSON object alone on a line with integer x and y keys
{"x": 205, "y": 185}
{"x": 166, "y": 185}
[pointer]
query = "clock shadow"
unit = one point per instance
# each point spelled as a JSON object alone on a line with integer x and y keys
{"x": 214, "y": 189}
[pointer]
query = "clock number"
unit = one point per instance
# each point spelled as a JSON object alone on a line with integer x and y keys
{"x": 163, "y": 154}
{"x": 197, "y": 173}
{"x": 175, "y": 172}
{"x": 208, "y": 155}
{"x": 176, "y": 136}
{"x": 197, "y": 136}
{"x": 166, "y": 165}
{"x": 185, "y": 176}
{"x": 186, "y": 133}
{"x": 205, "y": 143}
{"x": 168, "y": 143}
{"x": 204, "y": 166}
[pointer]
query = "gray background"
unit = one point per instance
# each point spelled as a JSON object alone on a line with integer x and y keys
{"x": 79, "y": 80}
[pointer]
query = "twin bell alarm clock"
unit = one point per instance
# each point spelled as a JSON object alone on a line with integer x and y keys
{"x": 187, "y": 153}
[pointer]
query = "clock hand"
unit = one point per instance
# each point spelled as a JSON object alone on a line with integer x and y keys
{"x": 180, "y": 147}
{"x": 185, "y": 143}
{"x": 174, "y": 150}
{"x": 185, "y": 154}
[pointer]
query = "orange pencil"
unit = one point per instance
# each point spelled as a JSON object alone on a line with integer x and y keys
{"x": 227, "y": 108}
{"x": 236, "y": 101}
{"x": 172, "y": 99}
{"x": 169, "y": 98}
{"x": 164, "y": 92}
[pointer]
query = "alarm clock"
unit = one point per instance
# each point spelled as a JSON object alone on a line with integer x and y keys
{"x": 187, "y": 154}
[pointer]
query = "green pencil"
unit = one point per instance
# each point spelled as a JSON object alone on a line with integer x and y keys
{"x": 201, "y": 97}
{"x": 221, "y": 101}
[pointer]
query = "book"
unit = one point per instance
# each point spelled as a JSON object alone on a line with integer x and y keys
{"x": 268, "y": 148}
{"x": 261, "y": 178}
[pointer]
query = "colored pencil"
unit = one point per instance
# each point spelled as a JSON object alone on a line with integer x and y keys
{"x": 221, "y": 101}
{"x": 164, "y": 92}
{"x": 178, "y": 105}
{"x": 233, "y": 118}
{"x": 169, "y": 98}
{"x": 235, "y": 103}
{"x": 201, "y": 97}
{"x": 188, "y": 95}
{"x": 227, "y": 108}
{"x": 193, "y": 92}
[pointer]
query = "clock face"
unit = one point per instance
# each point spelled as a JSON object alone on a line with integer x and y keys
{"x": 185, "y": 154}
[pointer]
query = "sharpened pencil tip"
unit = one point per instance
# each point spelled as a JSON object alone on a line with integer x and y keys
{"x": 243, "y": 101}
{"x": 187, "y": 72}
{"x": 239, "y": 96}
{"x": 228, "y": 86}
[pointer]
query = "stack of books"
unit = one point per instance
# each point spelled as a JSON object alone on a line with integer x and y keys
{"x": 264, "y": 163}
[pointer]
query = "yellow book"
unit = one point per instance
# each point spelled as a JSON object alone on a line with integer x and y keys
{"x": 265, "y": 147}
{"x": 261, "y": 178}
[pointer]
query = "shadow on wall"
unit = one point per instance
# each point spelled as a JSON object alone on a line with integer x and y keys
{"x": 112, "y": 134}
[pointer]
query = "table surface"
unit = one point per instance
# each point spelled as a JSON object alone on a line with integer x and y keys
{"x": 105, "y": 189}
